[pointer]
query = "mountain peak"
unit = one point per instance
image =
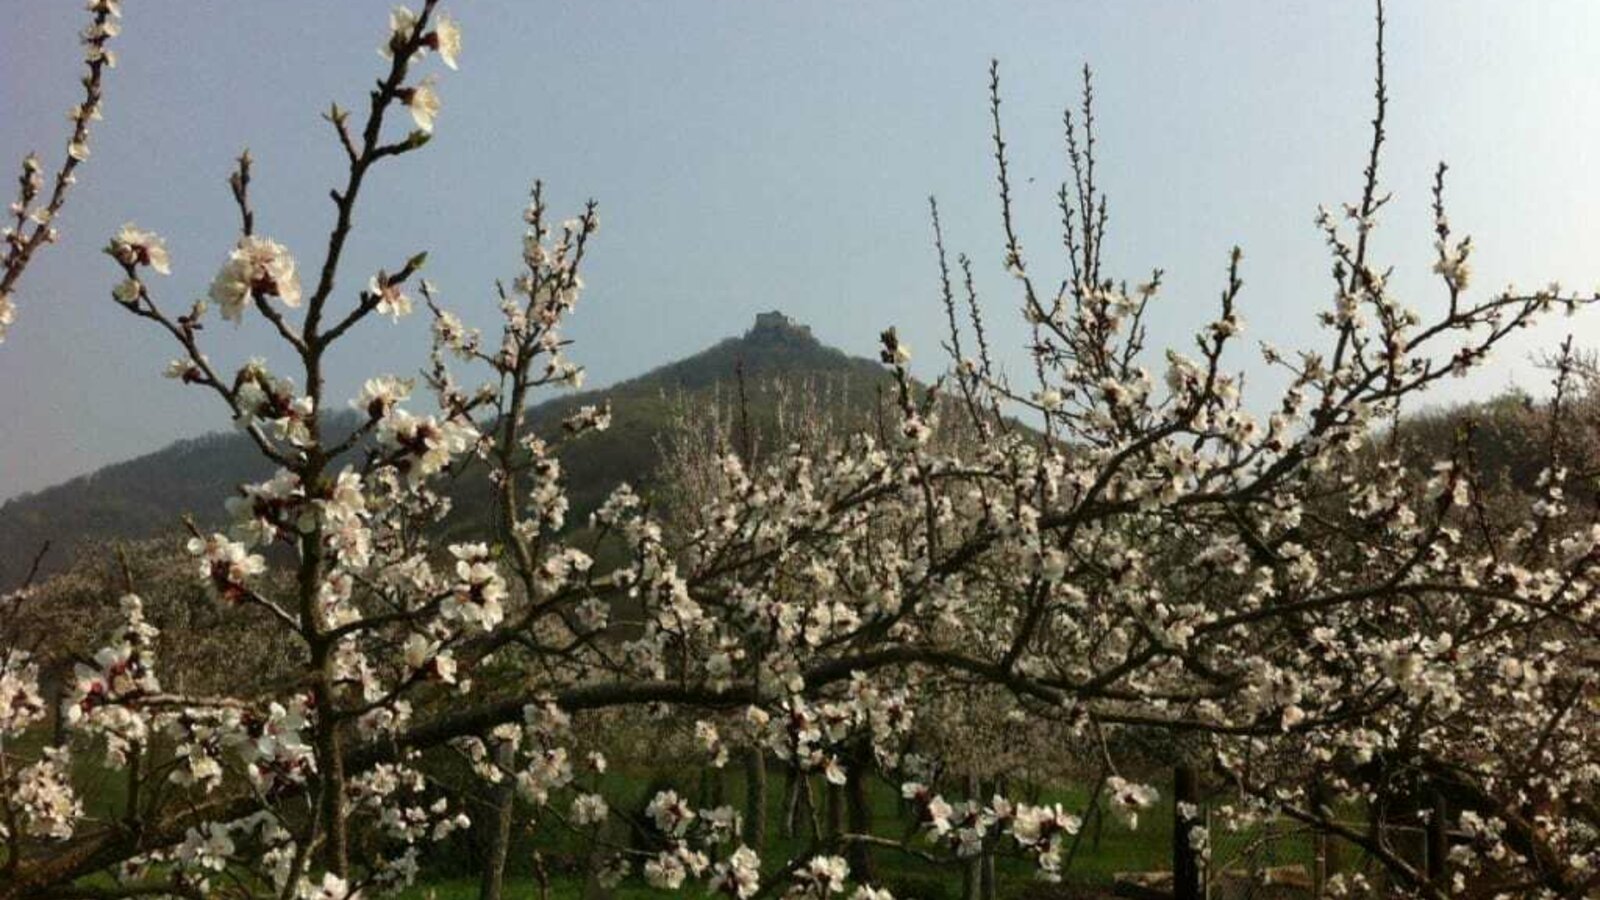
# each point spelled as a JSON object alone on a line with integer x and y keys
{"x": 149, "y": 495}
{"x": 775, "y": 327}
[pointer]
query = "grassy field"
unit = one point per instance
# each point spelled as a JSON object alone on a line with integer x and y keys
{"x": 1105, "y": 849}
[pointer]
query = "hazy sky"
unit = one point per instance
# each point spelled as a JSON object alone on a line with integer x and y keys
{"x": 759, "y": 155}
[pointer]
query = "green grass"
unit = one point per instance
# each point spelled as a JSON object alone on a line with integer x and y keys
{"x": 560, "y": 889}
{"x": 1105, "y": 849}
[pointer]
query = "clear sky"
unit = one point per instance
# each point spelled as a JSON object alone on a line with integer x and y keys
{"x": 759, "y": 155}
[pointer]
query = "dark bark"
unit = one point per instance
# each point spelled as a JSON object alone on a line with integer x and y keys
{"x": 1185, "y": 862}
{"x": 491, "y": 885}
{"x": 858, "y": 809}
{"x": 755, "y": 799}
{"x": 791, "y": 803}
{"x": 972, "y": 872}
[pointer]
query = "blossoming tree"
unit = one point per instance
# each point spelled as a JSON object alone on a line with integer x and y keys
{"x": 1329, "y": 629}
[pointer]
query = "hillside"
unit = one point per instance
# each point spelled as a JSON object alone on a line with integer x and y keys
{"x": 149, "y": 495}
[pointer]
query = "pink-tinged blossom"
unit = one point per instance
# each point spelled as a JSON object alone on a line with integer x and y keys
{"x": 670, "y": 813}
{"x": 225, "y": 565}
{"x": 134, "y": 247}
{"x": 589, "y": 809}
{"x": 390, "y": 299}
{"x": 43, "y": 799}
{"x": 822, "y": 876}
{"x": 423, "y": 102}
{"x": 258, "y": 268}
{"x": 737, "y": 876}
{"x": 446, "y": 39}
{"x": 479, "y": 591}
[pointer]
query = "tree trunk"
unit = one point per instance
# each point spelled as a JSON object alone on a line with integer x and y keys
{"x": 1327, "y": 845}
{"x": 972, "y": 872}
{"x": 789, "y": 826}
{"x": 713, "y": 789}
{"x": 503, "y": 803}
{"x": 858, "y": 809}
{"x": 329, "y": 747}
{"x": 58, "y": 721}
{"x": 1185, "y": 862}
{"x": 988, "y": 883}
{"x": 755, "y": 799}
{"x": 1438, "y": 838}
{"x": 809, "y": 806}
{"x": 835, "y": 809}
{"x": 987, "y": 879}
